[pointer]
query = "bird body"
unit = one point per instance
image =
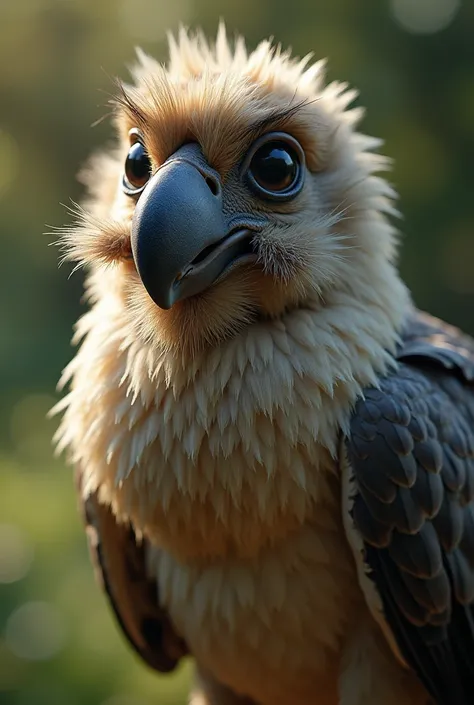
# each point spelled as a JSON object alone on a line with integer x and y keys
{"x": 216, "y": 402}
{"x": 227, "y": 573}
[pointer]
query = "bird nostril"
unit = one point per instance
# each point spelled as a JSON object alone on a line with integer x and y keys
{"x": 213, "y": 184}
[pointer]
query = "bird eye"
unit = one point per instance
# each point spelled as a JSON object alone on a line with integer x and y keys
{"x": 274, "y": 167}
{"x": 137, "y": 169}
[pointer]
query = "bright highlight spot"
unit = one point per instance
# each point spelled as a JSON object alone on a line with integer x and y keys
{"x": 424, "y": 16}
{"x": 16, "y": 554}
{"x": 35, "y": 632}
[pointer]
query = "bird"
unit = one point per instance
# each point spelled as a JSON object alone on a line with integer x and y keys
{"x": 273, "y": 446}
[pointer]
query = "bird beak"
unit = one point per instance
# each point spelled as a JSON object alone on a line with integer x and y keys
{"x": 181, "y": 240}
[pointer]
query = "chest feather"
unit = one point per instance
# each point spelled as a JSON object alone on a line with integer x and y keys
{"x": 273, "y": 624}
{"x": 232, "y": 444}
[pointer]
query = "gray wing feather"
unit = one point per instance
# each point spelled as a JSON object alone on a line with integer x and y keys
{"x": 411, "y": 458}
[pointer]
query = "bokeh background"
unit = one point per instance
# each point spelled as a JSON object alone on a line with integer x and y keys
{"x": 413, "y": 61}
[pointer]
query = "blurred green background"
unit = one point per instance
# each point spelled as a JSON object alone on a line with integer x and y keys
{"x": 413, "y": 61}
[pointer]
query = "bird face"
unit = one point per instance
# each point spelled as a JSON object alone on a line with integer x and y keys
{"x": 187, "y": 234}
{"x": 229, "y": 197}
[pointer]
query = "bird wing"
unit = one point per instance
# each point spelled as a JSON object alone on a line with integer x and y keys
{"x": 120, "y": 567}
{"x": 408, "y": 478}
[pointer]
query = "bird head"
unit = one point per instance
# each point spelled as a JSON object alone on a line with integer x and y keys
{"x": 238, "y": 191}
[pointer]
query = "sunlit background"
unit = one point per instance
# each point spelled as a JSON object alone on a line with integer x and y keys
{"x": 414, "y": 63}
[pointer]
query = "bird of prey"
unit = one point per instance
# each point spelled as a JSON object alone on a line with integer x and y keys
{"x": 274, "y": 448}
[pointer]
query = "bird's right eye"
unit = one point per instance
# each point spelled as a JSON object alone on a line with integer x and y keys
{"x": 137, "y": 169}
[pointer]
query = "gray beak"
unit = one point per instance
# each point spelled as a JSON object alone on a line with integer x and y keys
{"x": 181, "y": 240}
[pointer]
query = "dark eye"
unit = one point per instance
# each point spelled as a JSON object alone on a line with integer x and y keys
{"x": 275, "y": 167}
{"x": 137, "y": 169}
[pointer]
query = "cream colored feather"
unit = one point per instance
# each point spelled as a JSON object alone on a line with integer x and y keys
{"x": 214, "y": 426}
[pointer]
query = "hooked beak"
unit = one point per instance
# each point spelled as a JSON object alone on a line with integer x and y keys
{"x": 181, "y": 240}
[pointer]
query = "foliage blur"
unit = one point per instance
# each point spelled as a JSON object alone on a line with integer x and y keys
{"x": 413, "y": 61}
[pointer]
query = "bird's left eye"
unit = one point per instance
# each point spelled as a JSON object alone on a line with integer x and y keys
{"x": 274, "y": 167}
{"x": 137, "y": 169}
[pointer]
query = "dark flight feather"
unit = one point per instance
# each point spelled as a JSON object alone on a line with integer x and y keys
{"x": 411, "y": 454}
{"x": 119, "y": 563}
